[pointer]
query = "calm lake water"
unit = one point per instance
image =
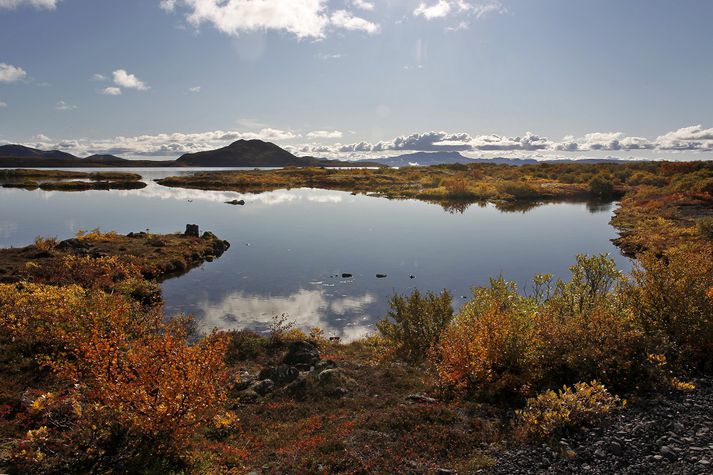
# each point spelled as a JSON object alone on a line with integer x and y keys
{"x": 288, "y": 246}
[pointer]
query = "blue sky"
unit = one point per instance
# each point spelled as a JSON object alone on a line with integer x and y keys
{"x": 352, "y": 78}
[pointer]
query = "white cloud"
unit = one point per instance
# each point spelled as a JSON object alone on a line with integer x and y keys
{"x": 694, "y": 137}
{"x": 363, "y": 5}
{"x": 302, "y": 18}
{"x": 329, "y": 55}
{"x": 344, "y": 19}
{"x": 12, "y": 4}
{"x": 10, "y": 73}
{"x": 459, "y": 8}
{"x": 111, "y": 91}
{"x": 325, "y": 134}
{"x": 3, "y": 104}
{"x": 436, "y": 10}
{"x": 63, "y": 106}
{"x": 128, "y": 81}
{"x": 160, "y": 145}
{"x": 194, "y": 89}
{"x": 98, "y": 77}
{"x": 168, "y": 5}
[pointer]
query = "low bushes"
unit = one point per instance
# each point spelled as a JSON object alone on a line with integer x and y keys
{"x": 599, "y": 325}
{"x": 553, "y": 412}
{"x": 415, "y": 323}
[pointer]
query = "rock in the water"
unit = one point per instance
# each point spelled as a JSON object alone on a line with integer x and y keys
{"x": 192, "y": 230}
{"x": 302, "y": 354}
{"x": 346, "y": 275}
{"x": 380, "y": 276}
{"x": 280, "y": 375}
{"x": 236, "y": 202}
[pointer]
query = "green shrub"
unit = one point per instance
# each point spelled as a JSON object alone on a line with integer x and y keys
{"x": 414, "y": 323}
{"x": 601, "y": 186}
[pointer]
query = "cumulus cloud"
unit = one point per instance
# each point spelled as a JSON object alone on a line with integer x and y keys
{"x": 194, "y": 89}
{"x": 344, "y": 19}
{"x": 689, "y": 139}
{"x": 63, "y": 106}
{"x": 159, "y": 145}
{"x": 529, "y": 145}
{"x": 362, "y": 5}
{"x": 111, "y": 91}
{"x": 302, "y": 18}
{"x": 458, "y": 8}
{"x": 168, "y": 5}
{"x": 10, "y": 73}
{"x": 128, "y": 81}
{"x": 436, "y": 10}
{"x": 694, "y": 138}
{"x": 325, "y": 134}
{"x": 12, "y": 4}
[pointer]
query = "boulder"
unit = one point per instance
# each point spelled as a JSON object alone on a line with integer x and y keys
{"x": 192, "y": 230}
{"x": 72, "y": 245}
{"x": 280, "y": 375}
{"x": 263, "y": 387}
{"x": 302, "y": 354}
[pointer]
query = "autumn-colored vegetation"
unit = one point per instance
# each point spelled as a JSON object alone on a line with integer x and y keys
{"x": 96, "y": 380}
{"x": 65, "y": 180}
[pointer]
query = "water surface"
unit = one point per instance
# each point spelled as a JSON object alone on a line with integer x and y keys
{"x": 290, "y": 247}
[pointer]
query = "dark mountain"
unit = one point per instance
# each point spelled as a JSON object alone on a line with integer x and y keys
{"x": 243, "y": 153}
{"x": 257, "y": 153}
{"x": 104, "y": 158}
{"x": 20, "y": 151}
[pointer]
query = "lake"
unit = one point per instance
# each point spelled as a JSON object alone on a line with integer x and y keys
{"x": 291, "y": 247}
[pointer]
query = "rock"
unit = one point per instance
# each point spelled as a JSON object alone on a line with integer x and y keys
{"x": 72, "y": 245}
{"x": 381, "y": 276}
{"x": 668, "y": 452}
{"x": 445, "y": 471}
{"x": 302, "y": 354}
{"x": 325, "y": 364}
{"x": 192, "y": 230}
{"x": 157, "y": 242}
{"x": 299, "y": 388}
{"x": 346, "y": 276}
{"x": 412, "y": 276}
{"x": 335, "y": 382}
{"x": 420, "y": 399}
{"x": 236, "y": 202}
{"x": 616, "y": 448}
{"x": 280, "y": 375}
{"x": 263, "y": 387}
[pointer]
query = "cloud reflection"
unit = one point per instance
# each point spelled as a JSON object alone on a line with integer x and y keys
{"x": 342, "y": 316}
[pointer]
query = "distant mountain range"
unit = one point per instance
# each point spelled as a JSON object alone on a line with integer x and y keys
{"x": 448, "y": 158}
{"x": 247, "y": 153}
{"x": 243, "y": 153}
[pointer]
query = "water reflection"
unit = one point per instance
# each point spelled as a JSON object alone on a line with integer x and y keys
{"x": 287, "y": 246}
{"x": 337, "y": 316}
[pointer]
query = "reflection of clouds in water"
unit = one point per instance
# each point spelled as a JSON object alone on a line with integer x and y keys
{"x": 154, "y": 190}
{"x": 7, "y": 229}
{"x": 307, "y": 308}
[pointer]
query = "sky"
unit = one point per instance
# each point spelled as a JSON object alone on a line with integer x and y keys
{"x": 360, "y": 78}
